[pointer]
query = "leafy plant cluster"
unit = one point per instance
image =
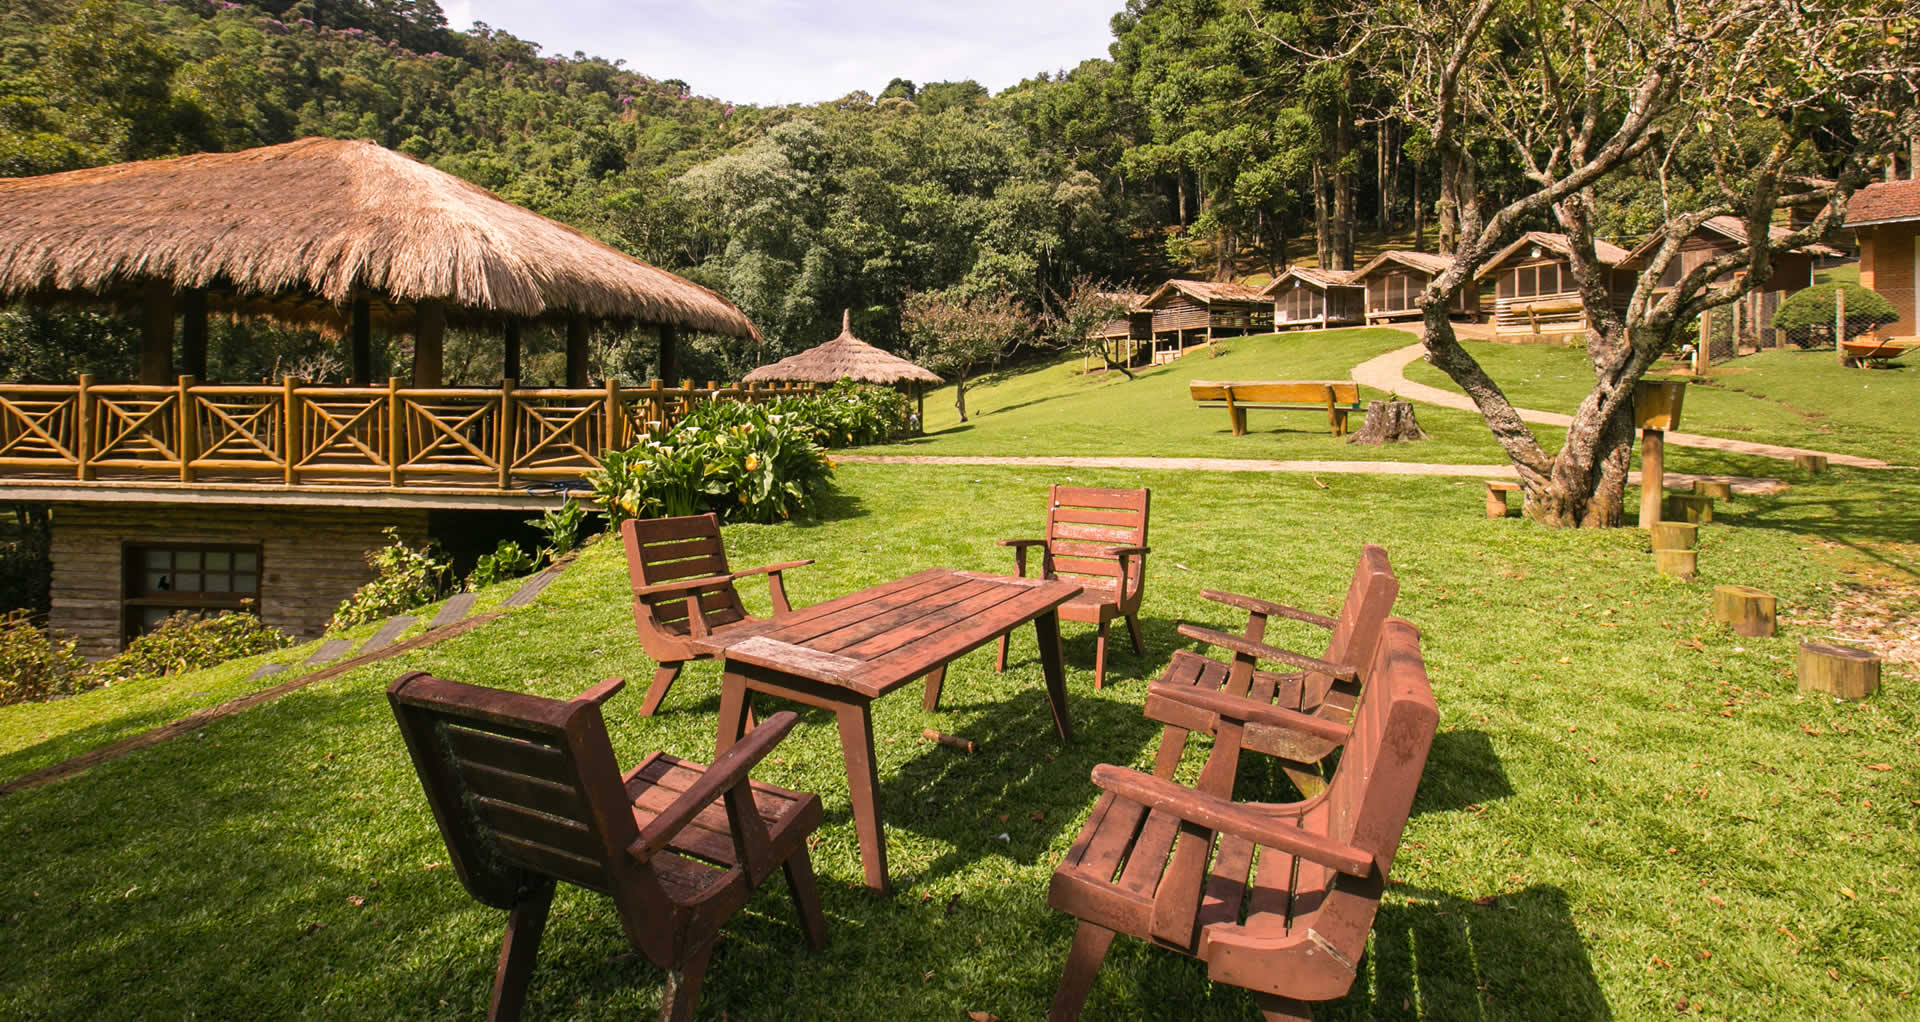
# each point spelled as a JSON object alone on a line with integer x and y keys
{"x": 36, "y": 664}
{"x": 742, "y": 462}
{"x": 508, "y": 560}
{"x": 847, "y": 414}
{"x": 404, "y": 577}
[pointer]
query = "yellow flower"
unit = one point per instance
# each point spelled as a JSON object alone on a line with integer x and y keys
{"x": 753, "y": 462}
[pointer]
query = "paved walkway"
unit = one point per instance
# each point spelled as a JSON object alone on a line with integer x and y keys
{"x": 1388, "y": 372}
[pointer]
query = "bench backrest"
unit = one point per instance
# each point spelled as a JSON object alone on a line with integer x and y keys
{"x": 1363, "y": 614}
{"x": 668, "y": 550}
{"x": 1083, "y": 522}
{"x": 524, "y": 786}
{"x": 1302, "y": 392}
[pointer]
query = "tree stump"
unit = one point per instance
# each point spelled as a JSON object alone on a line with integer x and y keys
{"x": 1845, "y": 671}
{"x": 1713, "y": 488}
{"x": 1675, "y": 535}
{"x": 1814, "y": 463}
{"x": 1748, "y": 610}
{"x": 1388, "y": 422}
{"x": 1680, "y": 564}
{"x": 1687, "y": 507}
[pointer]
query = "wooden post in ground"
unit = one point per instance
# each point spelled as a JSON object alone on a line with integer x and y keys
{"x": 1840, "y": 323}
{"x": 1673, "y": 552}
{"x": 1813, "y": 463}
{"x": 1749, "y": 611}
{"x": 1675, "y": 535}
{"x": 1845, "y": 671}
{"x": 1689, "y": 507}
{"x": 1715, "y": 488}
{"x": 1701, "y": 360}
{"x": 1653, "y": 474}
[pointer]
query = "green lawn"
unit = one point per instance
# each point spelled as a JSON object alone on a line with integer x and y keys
{"x": 1056, "y": 409}
{"x": 1626, "y": 808}
{"x": 1797, "y": 398}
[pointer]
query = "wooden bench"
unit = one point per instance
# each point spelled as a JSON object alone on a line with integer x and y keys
{"x": 1335, "y": 397}
{"x": 1497, "y": 497}
{"x": 1275, "y": 898}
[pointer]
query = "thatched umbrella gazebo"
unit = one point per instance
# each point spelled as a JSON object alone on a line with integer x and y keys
{"x": 334, "y": 234}
{"x": 847, "y": 357}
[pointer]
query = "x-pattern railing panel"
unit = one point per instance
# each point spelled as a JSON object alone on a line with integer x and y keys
{"x": 240, "y": 428}
{"x": 343, "y": 432}
{"x": 558, "y": 436}
{"x": 38, "y": 427}
{"x": 136, "y": 429}
{"x": 457, "y": 434}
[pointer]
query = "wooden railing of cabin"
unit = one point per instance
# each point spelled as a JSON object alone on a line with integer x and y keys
{"x": 301, "y": 434}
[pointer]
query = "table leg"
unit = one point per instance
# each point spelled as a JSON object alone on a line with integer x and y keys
{"x": 1046, "y": 629}
{"x": 935, "y": 679}
{"x": 863, "y": 789}
{"x": 736, "y": 706}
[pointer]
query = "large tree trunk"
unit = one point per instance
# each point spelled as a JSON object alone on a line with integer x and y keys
{"x": 1449, "y": 209}
{"x": 1343, "y": 215}
{"x": 1322, "y": 223}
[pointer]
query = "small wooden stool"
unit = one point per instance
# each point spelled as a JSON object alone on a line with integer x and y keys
{"x": 1497, "y": 497}
{"x": 1717, "y": 489}
{"x": 1815, "y": 463}
{"x": 1687, "y": 507}
{"x": 1845, "y": 671}
{"x": 1748, "y": 610}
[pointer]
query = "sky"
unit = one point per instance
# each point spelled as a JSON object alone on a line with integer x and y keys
{"x": 773, "y": 52}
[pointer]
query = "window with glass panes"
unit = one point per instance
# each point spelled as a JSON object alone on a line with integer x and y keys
{"x": 162, "y": 580}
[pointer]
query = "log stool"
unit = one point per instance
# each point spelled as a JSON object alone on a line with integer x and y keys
{"x": 1814, "y": 463}
{"x": 1497, "y": 497}
{"x": 1690, "y": 507}
{"x": 1673, "y": 552}
{"x": 1845, "y": 671}
{"x": 1714, "y": 488}
{"x": 1748, "y": 610}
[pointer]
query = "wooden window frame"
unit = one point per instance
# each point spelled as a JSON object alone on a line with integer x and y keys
{"x": 133, "y": 599}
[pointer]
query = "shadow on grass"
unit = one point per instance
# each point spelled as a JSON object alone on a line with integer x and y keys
{"x": 835, "y": 505}
{"x": 1886, "y": 516}
{"x": 68, "y": 744}
{"x": 1463, "y": 772}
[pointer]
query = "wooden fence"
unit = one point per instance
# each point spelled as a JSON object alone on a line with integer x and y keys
{"x": 298, "y": 434}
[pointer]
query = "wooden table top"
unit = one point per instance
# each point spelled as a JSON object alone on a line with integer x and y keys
{"x": 877, "y": 639}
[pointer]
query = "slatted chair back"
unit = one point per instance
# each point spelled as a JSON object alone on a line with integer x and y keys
{"x": 524, "y": 787}
{"x": 663, "y": 550}
{"x": 1084, "y": 522}
{"x": 1365, "y": 806}
{"x": 1363, "y": 614}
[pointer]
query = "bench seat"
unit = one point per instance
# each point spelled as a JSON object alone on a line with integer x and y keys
{"x": 1335, "y": 397}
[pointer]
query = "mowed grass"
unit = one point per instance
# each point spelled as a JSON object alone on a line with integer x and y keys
{"x": 1626, "y": 808}
{"x": 1056, "y": 409}
{"x": 1790, "y": 397}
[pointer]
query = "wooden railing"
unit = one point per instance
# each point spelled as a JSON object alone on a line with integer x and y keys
{"x": 299, "y": 434}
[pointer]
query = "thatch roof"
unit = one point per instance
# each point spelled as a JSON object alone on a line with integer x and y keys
{"x": 1311, "y": 276}
{"x": 300, "y": 230}
{"x": 846, "y": 357}
{"x": 1204, "y": 291}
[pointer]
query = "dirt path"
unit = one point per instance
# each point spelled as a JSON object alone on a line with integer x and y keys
{"x": 1388, "y": 372}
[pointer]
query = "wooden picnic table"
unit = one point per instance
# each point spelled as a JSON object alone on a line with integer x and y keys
{"x": 843, "y": 654}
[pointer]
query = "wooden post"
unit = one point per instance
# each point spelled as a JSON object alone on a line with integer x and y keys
{"x": 510, "y": 353}
{"x": 1840, "y": 323}
{"x": 83, "y": 428}
{"x": 656, "y": 402}
{"x": 193, "y": 333}
{"x": 1715, "y": 488}
{"x": 360, "y": 343}
{"x": 1680, "y": 564}
{"x": 429, "y": 344}
{"x": 396, "y": 451}
{"x": 610, "y": 435}
{"x": 1653, "y": 475}
{"x": 1844, "y": 671}
{"x": 1675, "y": 535}
{"x": 1673, "y": 549}
{"x": 1688, "y": 507}
{"x": 668, "y": 339}
{"x": 577, "y": 351}
{"x": 187, "y": 438}
{"x": 507, "y": 415}
{"x": 1701, "y": 360}
{"x": 290, "y": 419}
{"x": 1749, "y": 610}
{"x": 156, "y": 338}
{"x": 1813, "y": 463}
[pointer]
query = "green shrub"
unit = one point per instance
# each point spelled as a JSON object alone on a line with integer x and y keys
{"x": 189, "y": 641}
{"x": 561, "y": 526}
{"x": 508, "y": 560}
{"x": 742, "y": 462}
{"x": 404, "y": 578}
{"x": 34, "y": 664}
{"x": 848, "y": 414}
{"x": 1814, "y": 308}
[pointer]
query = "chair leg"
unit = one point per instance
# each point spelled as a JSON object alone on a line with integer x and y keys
{"x": 662, "y": 680}
{"x": 1100, "y": 657}
{"x": 806, "y": 898}
{"x": 1133, "y": 629}
{"x": 683, "y": 986}
{"x": 1090, "y": 945}
{"x": 525, "y": 924}
{"x": 1000, "y": 662}
{"x": 1274, "y": 1008}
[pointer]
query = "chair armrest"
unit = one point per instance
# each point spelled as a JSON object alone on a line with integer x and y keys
{"x": 1022, "y": 542}
{"x": 1256, "y": 606}
{"x": 1214, "y": 813}
{"x": 681, "y": 585}
{"x": 729, "y": 769}
{"x": 772, "y": 569}
{"x": 602, "y": 692}
{"x": 1247, "y": 711}
{"x": 1262, "y": 651}
{"x": 1129, "y": 551}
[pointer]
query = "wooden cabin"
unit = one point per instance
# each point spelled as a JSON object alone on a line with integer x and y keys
{"x": 1128, "y": 335}
{"x": 1792, "y": 271}
{"x": 1885, "y": 219}
{"x": 1310, "y": 297}
{"x": 1189, "y": 312}
{"x": 1395, "y": 279}
{"x": 1535, "y": 297}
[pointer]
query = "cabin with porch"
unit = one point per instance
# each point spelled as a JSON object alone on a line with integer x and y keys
{"x": 1192, "y": 312}
{"x": 175, "y": 492}
{"x": 1792, "y": 271}
{"x": 1127, "y": 336}
{"x": 1885, "y": 219}
{"x": 1536, "y": 299}
{"x": 1307, "y": 297}
{"x": 1394, "y": 280}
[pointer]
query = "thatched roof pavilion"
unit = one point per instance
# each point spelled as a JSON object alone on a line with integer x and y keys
{"x": 846, "y": 357}
{"x": 334, "y": 234}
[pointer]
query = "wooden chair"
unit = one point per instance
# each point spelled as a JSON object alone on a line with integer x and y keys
{"x": 527, "y": 793}
{"x": 1324, "y": 687}
{"x": 1177, "y": 866}
{"x": 1097, "y": 538}
{"x": 683, "y": 590}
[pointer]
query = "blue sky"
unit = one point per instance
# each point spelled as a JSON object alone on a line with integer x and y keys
{"x": 783, "y": 51}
